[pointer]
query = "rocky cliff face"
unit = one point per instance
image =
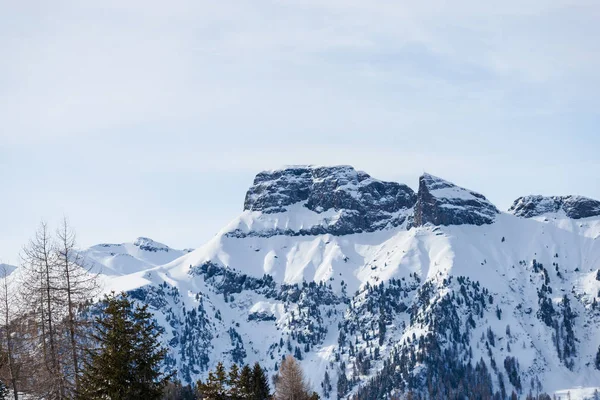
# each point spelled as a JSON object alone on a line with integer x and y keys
{"x": 348, "y": 201}
{"x": 148, "y": 244}
{"x": 344, "y": 201}
{"x": 440, "y": 202}
{"x": 575, "y": 207}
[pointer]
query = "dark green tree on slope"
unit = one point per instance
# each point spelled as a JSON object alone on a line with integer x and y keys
{"x": 125, "y": 365}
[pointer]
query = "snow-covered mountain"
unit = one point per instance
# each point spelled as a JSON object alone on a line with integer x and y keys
{"x": 6, "y": 269}
{"x": 378, "y": 289}
{"x": 127, "y": 258}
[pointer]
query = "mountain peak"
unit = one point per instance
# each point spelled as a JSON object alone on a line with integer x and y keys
{"x": 6, "y": 269}
{"x": 309, "y": 200}
{"x": 274, "y": 190}
{"x": 147, "y": 244}
{"x": 575, "y": 207}
{"x": 441, "y": 202}
{"x": 324, "y": 199}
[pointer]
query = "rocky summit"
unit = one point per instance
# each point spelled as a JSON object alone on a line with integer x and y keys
{"x": 341, "y": 201}
{"x": 148, "y": 244}
{"x": 575, "y": 207}
{"x": 440, "y": 202}
{"x": 359, "y": 202}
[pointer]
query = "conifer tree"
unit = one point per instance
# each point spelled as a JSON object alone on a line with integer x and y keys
{"x": 126, "y": 364}
{"x": 326, "y": 385}
{"x": 148, "y": 355}
{"x": 215, "y": 387}
{"x": 233, "y": 380}
{"x": 245, "y": 382}
{"x": 260, "y": 384}
{"x": 342, "y": 384}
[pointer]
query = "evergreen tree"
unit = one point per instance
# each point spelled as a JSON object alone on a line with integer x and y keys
{"x": 126, "y": 364}
{"x": 326, "y": 384}
{"x": 215, "y": 387}
{"x": 245, "y": 382}
{"x": 260, "y": 384}
{"x": 249, "y": 383}
{"x": 148, "y": 355}
{"x": 233, "y": 380}
{"x": 342, "y": 384}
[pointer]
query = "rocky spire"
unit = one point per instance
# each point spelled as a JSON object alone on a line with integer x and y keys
{"x": 440, "y": 202}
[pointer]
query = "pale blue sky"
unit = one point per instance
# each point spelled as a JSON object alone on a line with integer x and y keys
{"x": 151, "y": 118}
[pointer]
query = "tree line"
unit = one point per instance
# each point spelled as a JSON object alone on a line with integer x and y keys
{"x": 251, "y": 383}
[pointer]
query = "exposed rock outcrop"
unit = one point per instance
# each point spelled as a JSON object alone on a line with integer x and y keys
{"x": 575, "y": 207}
{"x": 360, "y": 203}
{"x": 440, "y": 202}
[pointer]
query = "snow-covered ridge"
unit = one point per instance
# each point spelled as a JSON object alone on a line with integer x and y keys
{"x": 7, "y": 269}
{"x": 126, "y": 258}
{"x": 575, "y": 207}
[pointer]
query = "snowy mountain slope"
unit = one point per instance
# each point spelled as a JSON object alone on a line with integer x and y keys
{"x": 7, "y": 268}
{"x": 380, "y": 291}
{"x": 127, "y": 258}
{"x": 433, "y": 254}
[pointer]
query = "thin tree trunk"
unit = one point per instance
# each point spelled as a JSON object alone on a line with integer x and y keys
{"x": 78, "y": 286}
{"x": 9, "y": 343}
{"x": 55, "y": 363}
{"x": 43, "y": 320}
{"x": 73, "y": 338}
{"x": 66, "y": 250}
{"x": 49, "y": 314}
